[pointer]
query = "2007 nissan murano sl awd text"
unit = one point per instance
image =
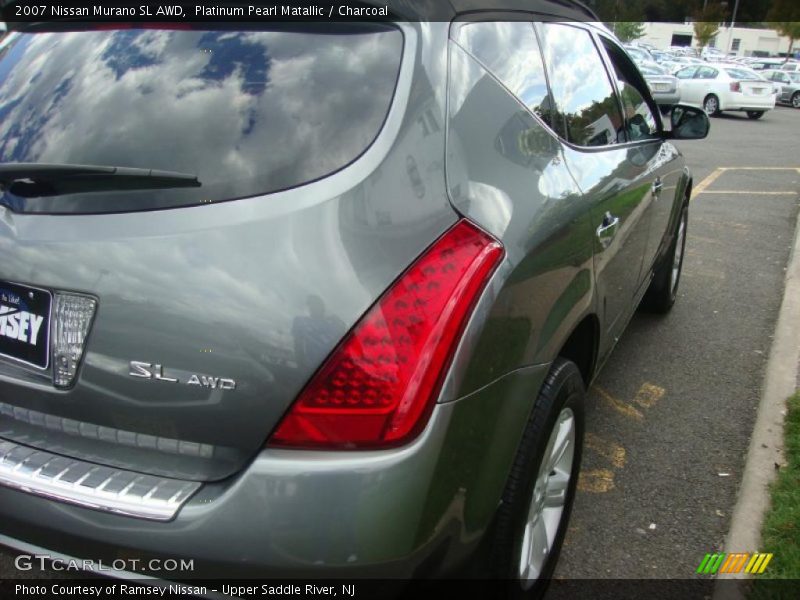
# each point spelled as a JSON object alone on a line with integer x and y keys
{"x": 296, "y": 299}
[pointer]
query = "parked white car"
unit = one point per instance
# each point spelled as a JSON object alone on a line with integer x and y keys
{"x": 718, "y": 89}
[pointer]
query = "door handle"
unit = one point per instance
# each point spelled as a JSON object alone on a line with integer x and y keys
{"x": 607, "y": 230}
{"x": 656, "y": 187}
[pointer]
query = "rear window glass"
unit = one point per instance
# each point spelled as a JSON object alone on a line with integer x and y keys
{"x": 247, "y": 112}
{"x": 742, "y": 74}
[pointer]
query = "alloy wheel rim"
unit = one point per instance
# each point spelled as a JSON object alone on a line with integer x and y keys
{"x": 796, "y": 100}
{"x": 549, "y": 499}
{"x": 711, "y": 106}
{"x": 676, "y": 261}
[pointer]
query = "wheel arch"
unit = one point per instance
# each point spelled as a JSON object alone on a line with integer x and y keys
{"x": 581, "y": 347}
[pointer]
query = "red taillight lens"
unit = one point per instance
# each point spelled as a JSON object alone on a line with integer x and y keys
{"x": 736, "y": 86}
{"x": 379, "y": 385}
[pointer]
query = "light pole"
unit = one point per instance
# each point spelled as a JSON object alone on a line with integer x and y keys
{"x": 733, "y": 23}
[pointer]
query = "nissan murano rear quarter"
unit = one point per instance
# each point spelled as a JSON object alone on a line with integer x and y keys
{"x": 320, "y": 299}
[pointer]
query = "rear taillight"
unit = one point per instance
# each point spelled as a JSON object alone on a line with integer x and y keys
{"x": 736, "y": 86}
{"x": 378, "y": 387}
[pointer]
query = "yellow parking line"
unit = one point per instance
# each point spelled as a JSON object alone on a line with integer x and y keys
{"x": 761, "y": 169}
{"x": 748, "y": 192}
{"x": 613, "y": 452}
{"x": 620, "y": 407}
{"x": 711, "y": 178}
{"x": 648, "y": 395}
{"x": 714, "y": 175}
{"x": 596, "y": 481}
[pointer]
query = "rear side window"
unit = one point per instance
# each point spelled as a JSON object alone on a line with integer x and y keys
{"x": 585, "y": 100}
{"x": 706, "y": 73}
{"x": 742, "y": 74}
{"x": 686, "y": 73}
{"x": 248, "y": 112}
{"x": 510, "y": 52}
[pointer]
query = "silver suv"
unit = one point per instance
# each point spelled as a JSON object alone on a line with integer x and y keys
{"x": 320, "y": 299}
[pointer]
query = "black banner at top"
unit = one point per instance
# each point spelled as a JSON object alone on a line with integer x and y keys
{"x": 209, "y": 11}
{"x": 755, "y": 12}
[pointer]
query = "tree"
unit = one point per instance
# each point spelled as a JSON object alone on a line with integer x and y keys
{"x": 706, "y": 23}
{"x": 627, "y": 31}
{"x": 784, "y": 17}
{"x": 704, "y": 32}
{"x": 790, "y": 29}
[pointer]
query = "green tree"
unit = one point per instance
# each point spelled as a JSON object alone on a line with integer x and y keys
{"x": 706, "y": 23}
{"x": 627, "y": 31}
{"x": 784, "y": 17}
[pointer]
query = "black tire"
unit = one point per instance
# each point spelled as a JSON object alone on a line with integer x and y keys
{"x": 563, "y": 389}
{"x": 663, "y": 290}
{"x": 795, "y": 101}
{"x": 711, "y": 105}
{"x": 755, "y": 114}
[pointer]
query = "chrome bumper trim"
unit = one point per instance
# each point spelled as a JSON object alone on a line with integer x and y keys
{"x": 91, "y": 485}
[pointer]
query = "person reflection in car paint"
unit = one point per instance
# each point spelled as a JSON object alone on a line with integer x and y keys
{"x": 314, "y": 338}
{"x": 315, "y": 335}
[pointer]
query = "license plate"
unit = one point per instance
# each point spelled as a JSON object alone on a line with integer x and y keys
{"x": 758, "y": 91}
{"x": 661, "y": 87}
{"x": 25, "y": 324}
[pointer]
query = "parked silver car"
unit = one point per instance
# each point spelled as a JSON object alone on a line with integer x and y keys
{"x": 787, "y": 85}
{"x": 663, "y": 86}
{"x": 321, "y": 300}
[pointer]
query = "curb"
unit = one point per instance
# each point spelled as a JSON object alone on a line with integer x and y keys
{"x": 766, "y": 443}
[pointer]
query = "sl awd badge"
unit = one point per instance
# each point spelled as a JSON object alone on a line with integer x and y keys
{"x": 154, "y": 371}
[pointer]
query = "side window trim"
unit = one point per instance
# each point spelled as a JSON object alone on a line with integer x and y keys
{"x": 647, "y": 98}
{"x": 561, "y": 131}
{"x": 610, "y": 73}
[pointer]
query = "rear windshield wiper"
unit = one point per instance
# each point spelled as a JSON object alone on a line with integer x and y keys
{"x": 33, "y": 180}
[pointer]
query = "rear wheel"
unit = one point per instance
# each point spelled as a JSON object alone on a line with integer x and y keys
{"x": 755, "y": 114}
{"x": 532, "y": 519}
{"x": 663, "y": 289}
{"x": 711, "y": 105}
{"x": 796, "y": 99}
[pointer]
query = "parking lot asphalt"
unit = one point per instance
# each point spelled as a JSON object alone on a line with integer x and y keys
{"x": 670, "y": 416}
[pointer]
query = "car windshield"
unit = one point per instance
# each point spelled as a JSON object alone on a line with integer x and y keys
{"x": 246, "y": 111}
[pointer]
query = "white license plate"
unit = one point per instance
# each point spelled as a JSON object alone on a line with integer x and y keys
{"x": 758, "y": 91}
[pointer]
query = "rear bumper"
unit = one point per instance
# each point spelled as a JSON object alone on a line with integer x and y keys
{"x": 413, "y": 511}
{"x": 749, "y": 103}
{"x": 666, "y": 98}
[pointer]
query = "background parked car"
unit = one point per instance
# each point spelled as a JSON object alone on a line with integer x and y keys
{"x": 718, "y": 89}
{"x": 786, "y": 84}
{"x": 663, "y": 86}
{"x": 766, "y": 63}
{"x": 678, "y": 62}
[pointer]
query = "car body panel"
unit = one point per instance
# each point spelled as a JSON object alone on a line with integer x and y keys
{"x": 455, "y": 144}
{"x": 785, "y": 87}
{"x": 373, "y": 514}
{"x": 527, "y": 197}
{"x": 241, "y": 263}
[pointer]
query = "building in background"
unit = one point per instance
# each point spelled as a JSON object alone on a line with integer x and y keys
{"x": 742, "y": 41}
